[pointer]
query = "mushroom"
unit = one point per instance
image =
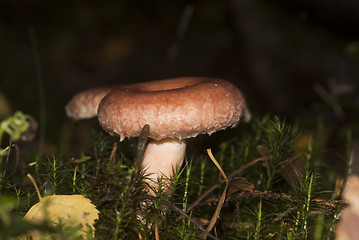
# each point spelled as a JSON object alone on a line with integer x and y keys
{"x": 84, "y": 104}
{"x": 175, "y": 109}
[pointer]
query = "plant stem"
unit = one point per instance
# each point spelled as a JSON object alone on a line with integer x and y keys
{"x": 259, "y": 221}
{"x": 74, "y": 178}
{"x": 185, "y": 197}
{"x": 307, "y": 204}
{"x": 201, "y": 178}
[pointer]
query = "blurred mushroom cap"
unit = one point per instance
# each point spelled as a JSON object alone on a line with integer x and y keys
{"x": 84, "y": 104}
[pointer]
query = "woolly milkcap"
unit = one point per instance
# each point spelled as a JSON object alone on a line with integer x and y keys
{"x": 84, "y": 104}
{"x": 177, "y": 108}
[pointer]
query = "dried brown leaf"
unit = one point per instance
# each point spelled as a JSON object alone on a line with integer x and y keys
{"x": 239, "y": 184}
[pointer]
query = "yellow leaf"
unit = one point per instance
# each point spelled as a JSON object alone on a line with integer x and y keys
{"x": 69, "y": 210}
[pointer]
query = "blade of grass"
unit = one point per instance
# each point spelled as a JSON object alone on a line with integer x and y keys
{"x": 221, "y": 200}
{"x": 156, "y": 232}
{"x": 35, "y": 185}
{"x": 259, "y": 221}
{"x": 113, "y": 152}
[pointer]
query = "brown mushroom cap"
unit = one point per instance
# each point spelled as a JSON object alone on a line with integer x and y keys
{"x": 174, "y": 108}
{"x": 84, "y": 104}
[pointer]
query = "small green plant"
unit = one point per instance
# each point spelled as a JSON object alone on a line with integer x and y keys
{"x": 17, "y": 125}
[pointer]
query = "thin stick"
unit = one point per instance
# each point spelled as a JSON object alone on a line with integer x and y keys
{"x": 254, "y": 194}
{"x": 5, "y": 149}
{"x": 261, "y": 159}
{"x": 24, "y": 167}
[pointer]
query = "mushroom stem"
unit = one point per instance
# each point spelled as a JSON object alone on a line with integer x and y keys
{"x": 161, "y": 158}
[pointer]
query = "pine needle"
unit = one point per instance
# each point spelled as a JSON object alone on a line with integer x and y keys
{"x": 221, "y": 200}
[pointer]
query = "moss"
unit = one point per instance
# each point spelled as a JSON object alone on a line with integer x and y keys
{"x": 288, "y": 200}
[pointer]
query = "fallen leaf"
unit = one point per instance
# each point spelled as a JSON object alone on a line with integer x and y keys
{"x": 69, "y": 210}
{"x": 239, "y": 184}
{"x": 64, "y": 210}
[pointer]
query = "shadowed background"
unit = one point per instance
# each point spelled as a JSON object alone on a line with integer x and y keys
{"x": 297, "y": 59}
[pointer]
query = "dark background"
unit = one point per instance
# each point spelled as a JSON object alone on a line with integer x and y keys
{"x": 282, "y": 54}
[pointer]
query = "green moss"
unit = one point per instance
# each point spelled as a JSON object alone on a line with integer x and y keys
{"x": 289, "y": 199}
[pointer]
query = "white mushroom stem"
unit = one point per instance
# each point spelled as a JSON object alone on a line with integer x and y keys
{"x": 161, "y": 158}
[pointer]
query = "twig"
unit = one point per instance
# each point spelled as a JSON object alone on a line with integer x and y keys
{"x": 178, "y": 210}
{"x": 265, "y": 195}
{"x": 4, "y": 150}
{"x": 247, "y": 165}
{"x": 254, "y": 194}
{"x": 23, "y": 168}
{"x": 328, "y": 204}
{"x": 284, "y": 214}
{"x": 17, "y": 157}
{"x": 204, "y": 195}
